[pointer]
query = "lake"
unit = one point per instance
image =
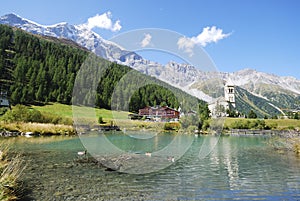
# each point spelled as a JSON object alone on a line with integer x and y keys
{"x": 207, "y": 168}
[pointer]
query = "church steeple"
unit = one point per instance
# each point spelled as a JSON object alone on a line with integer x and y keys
{"x": 229, "y": 91}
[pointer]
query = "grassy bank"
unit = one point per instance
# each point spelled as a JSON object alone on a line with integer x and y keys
{"x": 276, "y": 124}
{"x": 56, "y": 119}
{"x": 38, "y": 128}
{"x": 281, "y": 143}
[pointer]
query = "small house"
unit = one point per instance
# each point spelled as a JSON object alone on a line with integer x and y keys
{"x": 159, "y": 113}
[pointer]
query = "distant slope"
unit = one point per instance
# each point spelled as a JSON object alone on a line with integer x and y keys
{"x": 277, "y": 95}
{"x": 245, "y": 101}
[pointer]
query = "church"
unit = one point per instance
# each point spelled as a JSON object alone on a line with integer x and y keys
{"x": 219, "y": 107}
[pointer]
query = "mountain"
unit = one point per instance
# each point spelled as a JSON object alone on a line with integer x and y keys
{"x": 37, "y": 69}
{"x": 246, "y": 101}
{"x": 78, "y": 33}
{"x": 281, "y": 92}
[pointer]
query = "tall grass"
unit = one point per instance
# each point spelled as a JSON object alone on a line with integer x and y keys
{"x": 11, "y": 169}
{"x": 39, "y": 128}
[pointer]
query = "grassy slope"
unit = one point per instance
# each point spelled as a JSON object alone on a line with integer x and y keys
{"x": 119, "y": 118}
{"x": 67, "y": 112}
{"x": 281, "y": 123}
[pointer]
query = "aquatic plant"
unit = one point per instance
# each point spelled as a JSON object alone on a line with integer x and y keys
{"x": 297, "y": 146}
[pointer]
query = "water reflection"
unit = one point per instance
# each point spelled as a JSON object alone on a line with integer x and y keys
{"x": 136, "y": 155}
{"x": 241, "y": 168}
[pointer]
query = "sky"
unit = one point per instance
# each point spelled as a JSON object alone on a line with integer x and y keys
{"x": 236, "y": 34}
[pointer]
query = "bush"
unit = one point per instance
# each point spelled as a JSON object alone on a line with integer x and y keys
{"x": 21, "y": 113}
{"x": 192, "y": 129}
{"x": 240, "y": 124}
{"x": 252, "y": 124}
{"x": 187, "y": 121}
{"x": 100, "y": 120}
{"x": 3, "y": 111}
{"x": 172, "y": 126}
{"x": 252, "y": 115}
{"x": 205, "y": 125}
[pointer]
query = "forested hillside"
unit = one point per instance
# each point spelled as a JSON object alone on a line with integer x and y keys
{"x": 39, "y": 70}
{"x": 246, "y": 102}
{"x": 35, "y": 69}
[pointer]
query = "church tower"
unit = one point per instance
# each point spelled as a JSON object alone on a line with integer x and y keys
{"x": 229, "y": 91}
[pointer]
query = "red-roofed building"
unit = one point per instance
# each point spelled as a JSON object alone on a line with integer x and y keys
{"x": 159, "y": 113}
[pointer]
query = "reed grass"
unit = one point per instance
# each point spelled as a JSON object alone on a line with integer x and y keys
{"x": 11, "y": 168}
{"x": 39, "y": 128}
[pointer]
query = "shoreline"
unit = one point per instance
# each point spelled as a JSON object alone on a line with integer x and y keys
{"x": 44, "y": 129}
{"x": 34, "y": 129}
{"x": 275, "y": 132}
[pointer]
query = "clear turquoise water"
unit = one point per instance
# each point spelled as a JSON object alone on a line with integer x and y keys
{"x": 238, "y": 168}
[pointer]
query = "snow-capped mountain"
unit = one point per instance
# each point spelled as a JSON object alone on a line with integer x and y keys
{"x": 77, "y": 33}
{"x": 184, "y": 76}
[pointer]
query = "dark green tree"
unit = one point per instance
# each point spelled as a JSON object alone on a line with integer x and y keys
{"x": 252, "y": 115}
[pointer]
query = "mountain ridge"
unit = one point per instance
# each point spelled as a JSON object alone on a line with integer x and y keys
{"x": 183, "y": 76}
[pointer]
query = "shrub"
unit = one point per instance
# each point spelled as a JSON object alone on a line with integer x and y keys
{"x": 3, "y": 111}
{"x": 252, "y": 115}
{"x": 187, "y": 121}
{"x": 172, "y": 126}
{"x": 240, "y": 124}
{"x": 205, "y": 125}
{"x": 100, "y": 120}
{"x": 273, "y": 125}
{"x": 192, "y": 129}
{"x": 21, "y": 113}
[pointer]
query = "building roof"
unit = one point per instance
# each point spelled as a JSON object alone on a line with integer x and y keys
{"x": 157, "y": 107}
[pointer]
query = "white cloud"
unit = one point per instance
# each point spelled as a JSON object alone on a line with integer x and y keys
{"x": 208, "y": 35}
{"x": 104, "y": 21}
{"x": 186, "y": 44}
{"x": 146, "y": 41}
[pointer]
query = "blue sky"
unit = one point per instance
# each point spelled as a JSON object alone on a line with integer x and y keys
{"x": 259, "y": 34}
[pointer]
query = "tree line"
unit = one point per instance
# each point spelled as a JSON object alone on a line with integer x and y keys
{"x": 35, "y": 69}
